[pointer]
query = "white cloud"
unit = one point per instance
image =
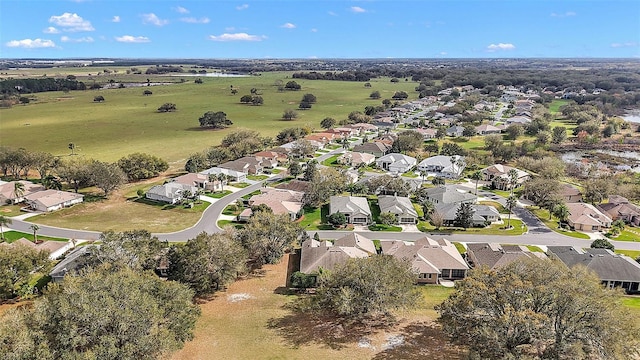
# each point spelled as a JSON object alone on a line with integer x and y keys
{"x": 51, "y": 30}
{"x": 313, "y": 57}
{"x": 500, "y": 46}
{"x": 314, "y": 30}
{"x": 153, "y": 19}
{"x": 71, "y": 22}
{"x": 86, "y": 39}
{"x": 31, "y": 44}
{"x": 357, "y": 9}
{"x": 181, "y": 10}
{"x": 566, "y": 14}
{"x": 237, "y": 37}
{"x": 288, "y": 26}
{"x": 116, "y": 19}
{"x": 242, "y": 7}
{"x": 192, "y": 20}
{"x": 443, "y": 53}
{"x": 625, "y": 44}
{"x": 332, "y": 13}
{"x": 132, "y": 39}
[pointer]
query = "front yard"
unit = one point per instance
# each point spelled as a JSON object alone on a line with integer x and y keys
{"x": 517, "y": 228}
{"x": 543, "y": 215}
{"x": 628, "y": 234}
{"x": 11, "y": 236}
{"x": 315, "y": 218}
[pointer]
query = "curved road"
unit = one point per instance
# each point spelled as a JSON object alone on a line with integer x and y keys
{"x": 538, "y": 233}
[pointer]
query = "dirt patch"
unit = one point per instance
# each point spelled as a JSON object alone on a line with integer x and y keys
{"x": 65, "y": 98}
{"x": 238, "y": 297}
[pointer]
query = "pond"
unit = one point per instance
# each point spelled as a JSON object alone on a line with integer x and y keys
{"x": 622, "y": 160}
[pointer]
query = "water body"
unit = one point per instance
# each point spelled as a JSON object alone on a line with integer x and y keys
{"x": 213, "y": 74}
{"x": 632, "y": 164}
{"x": 632, "y": 116}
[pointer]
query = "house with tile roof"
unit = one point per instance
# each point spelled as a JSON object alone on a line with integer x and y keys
{"x": 499, "y": 177}
{"x": 51, "y": 200}
{"x": 280, "y": 201}
{"x": 620, "y": 208}
{"x": 495, "y": 256}
{"x": 8, "y": 193}
{"x": 356, "y": 159}
{"x": 326, "y": 255}
{"x": 586, "y": 217}
{"x": 199, "y": 180}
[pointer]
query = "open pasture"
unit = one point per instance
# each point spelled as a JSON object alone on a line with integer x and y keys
{"x": 127, "y": 121}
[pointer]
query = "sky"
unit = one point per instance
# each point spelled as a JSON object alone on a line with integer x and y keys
{"x": 310, "y": 29}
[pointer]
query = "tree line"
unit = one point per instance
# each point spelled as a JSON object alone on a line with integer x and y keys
{"x": 36, "y": 85}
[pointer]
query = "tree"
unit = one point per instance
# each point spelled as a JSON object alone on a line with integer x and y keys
{"x": 512, "y": 180}
{"x": 561, "y": 211}
{"x": 310, "y": 171}
{"x": 431, "y": 148}
{"x": 438, "y": 180}
{"x": 597, "y": 189}
{"x": 147, "y": 92}
{"x": 559, "y": 134}
{"x": 510, "y": 202}
{"x": 532, "y": 309}
{"x": 18, "y": 190}
{"x": 366, "y": 288}
{"x": 400, "y": 95}
{"x": 388, "y": 218}
{"x": 602, "y": 244}
{"x": 72, "y": 147}
{"x": 477, "y": 176}
{"x": 75, "y": 172}
{"x": 469, "y": 130}
{"x": 167, "y": 107}
{"x": 436, "y": 219}
{"x": 541, "y": 191}
{"x": 325, "y": 183}
{"x": 140, "y": 166}
{"x": 4, "y": 221}
{"x": 198, "y": 81}
{"x": 310, "y": 98}
{"x": 17, "y": 264}
{"x": 375, "y": 95}
{"x": 24, "y": 100}
{"x": 301, "y": 149}
{"x": 388, "y": 185}
{"x": 207, "y": 263}
{"x": 464, "y": 216}
{"x": 292, "y": 85}
{"x": 514, "y": 131}
{"x": 246, "y": 99}
{"x": 291, "y": 134}
{"x": 103, "y": 315}
{"x": 356, "y": 188}
{"x": 257, "y": 100}
{"x": 409, "y": 140}
{"x": 98, "y": 98}
{"x": 267, "y": 236}
{"x": 215, "y": 120}
{"x": 492, "y": 141}
{"x": 35, "y": 228}
{"x": 294, "y": 168}
{"x": 289, "y": 114}
{"x": 328, "y": 123}
{"x": 136, "y": 250}
{"x": 43, "y": 162}
{"x": 304, "y": 105}
{"x": 106, "y": 176}
{"x": 337, "y": 219}
{"x": 450, "y": 149}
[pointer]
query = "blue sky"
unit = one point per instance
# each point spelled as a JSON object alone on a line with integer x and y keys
{"x": 320, "y": 29}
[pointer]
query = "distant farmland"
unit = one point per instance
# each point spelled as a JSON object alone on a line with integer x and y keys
{"x": 127, "y": 121}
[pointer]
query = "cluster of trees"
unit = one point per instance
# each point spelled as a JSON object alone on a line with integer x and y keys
{"x": 538, "y": 309}
{"x": 329, "y": 75}
{"x": 36, "y": 85}
{"x": 17, "y": 266}
{"x": 167, "y": 107}
{"x": 252, "y": 99}
{"x": 163, "y": 69}
{"x": 307, "y": 101}
{"x": 215, "y": 120}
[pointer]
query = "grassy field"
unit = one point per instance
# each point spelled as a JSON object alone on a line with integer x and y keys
{"x": 11, "y": 210}
{"x": 263, "y": 327}
{"x": 127, "y": 121}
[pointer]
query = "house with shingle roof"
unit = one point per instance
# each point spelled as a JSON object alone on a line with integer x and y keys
{"x": 486, "y": 129}
{"x": 356, "y": 209}
{"x": 449, "y": 167}
{"x": 449, "y": 194}
{"x": 499, "y": 177}
{"x": 432, "y": 260}
{"x": 237, "y": 176}
{"x": 570, "y": 194}
{"x": 280, "y": 201}
{"x": 495, "y": 256}
{"x": 316, "y": 255}
{"x": 8, "y": 194}
{"x": 171, "y": 192}
{"x": 396, "y": 163}
{"x": 199, "y": 180}
{"x": 482, "y": 214}
{"x": 375, "y": 148}
{"x": 614, "y": 270}
{"x": 620, "y": 208}
{"x": 400, "y": 206}
{"x": 585, "y": 217}
{"x": 355, "y": 159}
{"x": 51, "y": 200}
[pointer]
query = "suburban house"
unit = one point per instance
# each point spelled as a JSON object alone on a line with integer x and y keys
{"x": 356, "y": 209}
{"x": 375, "y": 148}
{"x": 271, "y": 157}
{"x": 55, "y": 249}
{"x": 74, "y": 261}
{"x": 494, "y": 256}
{"x": 400, "y": 206}
{"x": 343, "y": 132}
{"x": 51, "y": 200}
{"x": 384, "y": 123}
{"x": 486, "y": 129}
{"x": 280, "y": 201}
{"x": 455, "y": 131}
{"x": 432, "y": 260}
{"x": 570, "y": 194}
{"x": 8, "y": 193}
{"x": 449, "y": 167}
{"x": 355, "y": 159}
{"x": 499, "y": 177}
{"x": 295, "y": 185}
{"x": 363, "y": 128}
{"x": 171, "y": 192}
{"x": 619, "y": 208}
{"x": 482, "y": 214}
{"x": 247, "y": 165}
{"x": 614, "y": 270}
{"x": 586, "y": 217}
{"x": 236, "y": 176}
{"x": 522, "y": 120}
{"x": 316, "y": 255}
{"x": 396, "y": 163}
{"x": 427, "y": 134}
{"x": 324, "y": 137}
{"x": 198, "y": 180}
{"x": 449, "y": 194}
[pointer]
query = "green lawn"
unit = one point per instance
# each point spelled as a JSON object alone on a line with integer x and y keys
{"x": 461, "y": 249}
{"x": 496, "y": 205}
{"x": 543, "y": 215}
{"x": 534, "y": 248}
{"x": 332, "y": 161}
{"x": 494, "y": 229}
{"x": 555, "y": 105}
{"x": 628, "y": 234}
{"x": 219, "y": 194}
{"x": 257, "y": 177}
{"x": 382, "y": 227}
{"x": 432, "y": 295}
{"x": 223, "y": 223}
{"x": 128, "y": 122}
{"x": 634, "y": 254}
{"x": 11, "y": 236}
{"x": 240, "y": 185}
{"x": 315, "y": 218}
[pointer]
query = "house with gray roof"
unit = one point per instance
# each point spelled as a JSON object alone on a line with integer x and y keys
{"x": 74, "y": 261}
{"x": 236, "y": 176}
{"x": 356, "y": 209}
{"x": 316, "y": 255}
{"x": 455, "y": 131}
{"x": 449, "y": 194}
{"x": 495, "y": 256}
{"x": 614, "y": 270}
{"x": 171, "y": 192}
{"x": 482, "y": 214}
{"x": 396, "y": 163}
{"x": 449, "y": 167}
{"x": 376, "y": 148}
{"x": 400, "y": 206}
{"x": 432, "y": 260}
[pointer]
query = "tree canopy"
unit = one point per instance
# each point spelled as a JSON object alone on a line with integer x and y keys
{"x": 215, "y": 120}
{"x": 17, "y": 263}
{"x": 140, "y": 166}
{"x": 538, "y": 309}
